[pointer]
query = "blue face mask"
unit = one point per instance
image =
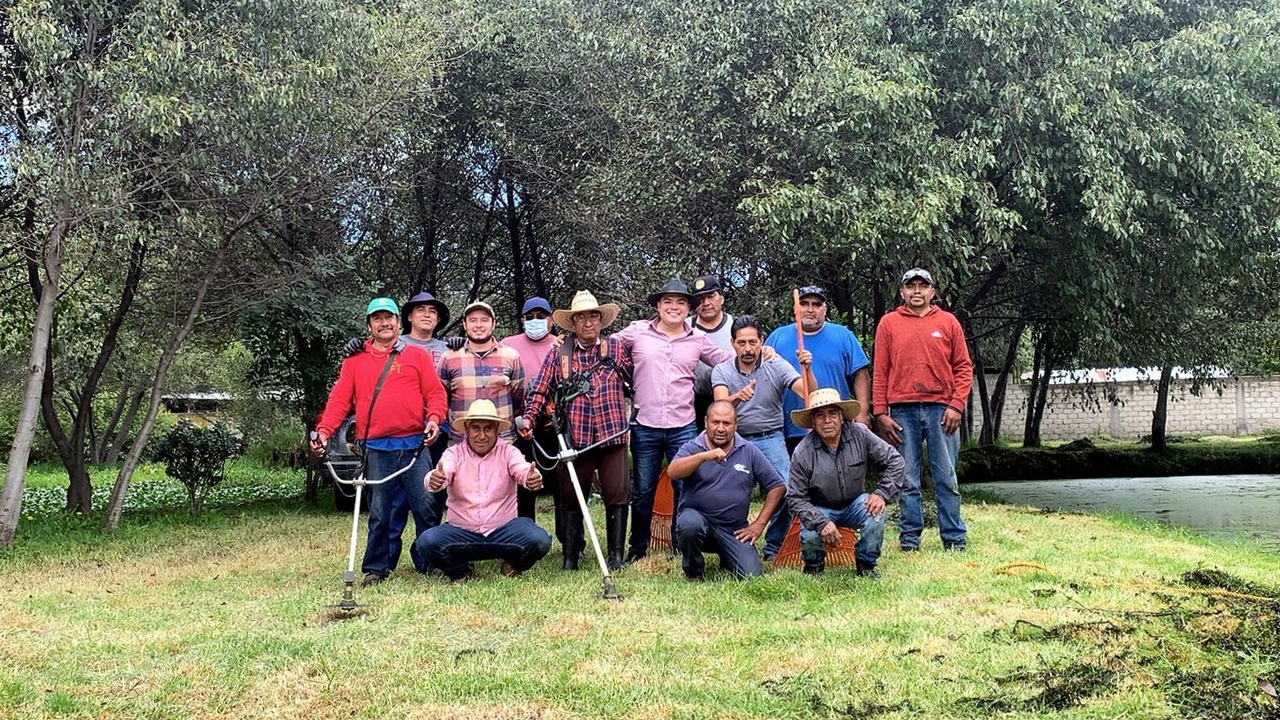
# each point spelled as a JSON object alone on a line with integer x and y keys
{"x": 536, "y": 329}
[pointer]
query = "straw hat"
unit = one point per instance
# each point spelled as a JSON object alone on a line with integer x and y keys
{"x": 484, "y": 409}
{"x": 824, "y": 397}
{"x": 584, "y": 301}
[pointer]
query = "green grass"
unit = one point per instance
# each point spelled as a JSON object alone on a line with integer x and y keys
{"x": 222, "y": 616}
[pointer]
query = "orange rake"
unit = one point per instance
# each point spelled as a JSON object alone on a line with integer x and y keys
{"x": 841, "y": 554}
{"x": 663, "y": 509}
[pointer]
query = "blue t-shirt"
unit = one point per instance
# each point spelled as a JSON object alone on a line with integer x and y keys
{"x": 837, "y": 355}
{"x": 721, "y": 491}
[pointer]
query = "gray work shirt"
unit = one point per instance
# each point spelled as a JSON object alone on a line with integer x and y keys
{"x": 435, "y": 347}
{"x": 823, "y": 478}
{"x": 763, "y": 412}
{"x": 722, "y": 337}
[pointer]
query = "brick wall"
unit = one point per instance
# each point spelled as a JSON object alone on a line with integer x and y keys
{"x": 1247, "y": 406}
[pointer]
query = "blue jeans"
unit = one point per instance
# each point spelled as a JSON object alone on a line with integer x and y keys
{"x": 398, "y": 497}
{"x": 774, "y": 447}
{"x": 695, "y": 534}
{"x": 649, "y": 447}
{"x": 520, "y": 542}
{"x": 854, "y": 515}
{"x": 922, "y": 424}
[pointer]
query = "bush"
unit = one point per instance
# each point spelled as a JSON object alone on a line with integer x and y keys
{"x": 197, "y": 457}
{"x": 280, "y": 449}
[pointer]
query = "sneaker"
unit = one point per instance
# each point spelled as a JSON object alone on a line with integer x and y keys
{"x": 509, "y": 570}
{"x": 909, "y": 548}
{"x": 868, "y": 571}
{"x": 371, "y": 579}
{"x": 953, "y": 547}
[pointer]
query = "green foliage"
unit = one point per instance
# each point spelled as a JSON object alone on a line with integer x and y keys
{"x": 197, "y": 457}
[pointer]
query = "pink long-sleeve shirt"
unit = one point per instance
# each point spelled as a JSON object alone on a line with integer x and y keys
{"x": 664, "y": 371}
{"x": 482, "y": 489}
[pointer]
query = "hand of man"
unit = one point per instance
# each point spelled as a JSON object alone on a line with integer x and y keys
{"x": 804, "y": 357}
{"x": 436, "y": 479}
{"x": 715, "y": 455}
{"x": 433, "y": 432}
{"x": 319, "y": 441}
{"x": 525, "y": 429}
{"x": 750, "y": 533}
{"x": 875, "y": 505}
{"x": 889, "y": 428}
{"x": 950, "y": 421}
{"x": 533, "y": 481}
{"x": 830, "y": 534}
{"x": 768, "y": 353}
{"x": 747, "y": 392}
{"x": 863, "y": 417}
{"x": 455, "y": 342}
{"x": 354, "y": 347}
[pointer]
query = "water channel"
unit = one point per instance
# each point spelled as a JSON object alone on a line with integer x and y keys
{"x": 1221, "y": 506}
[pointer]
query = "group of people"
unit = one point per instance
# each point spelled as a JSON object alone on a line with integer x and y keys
{"x": 796, "y": 412}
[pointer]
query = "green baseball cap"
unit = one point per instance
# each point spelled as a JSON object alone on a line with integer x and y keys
{"x": 382, "y": 303}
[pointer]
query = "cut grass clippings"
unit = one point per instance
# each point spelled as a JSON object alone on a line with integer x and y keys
{"x": 1046, "y": 615}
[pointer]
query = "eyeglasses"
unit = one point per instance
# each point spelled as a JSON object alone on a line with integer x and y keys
{"x": 588, "y": 316}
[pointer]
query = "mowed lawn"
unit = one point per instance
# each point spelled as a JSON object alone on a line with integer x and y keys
{"x": 223, "y": 617}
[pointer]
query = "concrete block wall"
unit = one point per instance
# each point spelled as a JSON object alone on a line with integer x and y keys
{"x": 1245, "y": 406}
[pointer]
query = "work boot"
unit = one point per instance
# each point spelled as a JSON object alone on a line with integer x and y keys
{"x": 615, "y": 526}
{"x": 815, "y": 568}
{"x": 371, "y": 578}
{"x": 867, "y": 570}
{"x": 572, "y": 540}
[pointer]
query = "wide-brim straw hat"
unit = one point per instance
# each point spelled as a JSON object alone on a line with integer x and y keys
{"x": 484, "y": 409}
{"x": 824, "y": 397}
{"x": 584, "y": 301}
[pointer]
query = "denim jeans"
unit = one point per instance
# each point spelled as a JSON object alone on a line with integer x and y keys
{"x": 649, "y": 446}
{"x": 396, "y": 498}
{"x": 520, "y": 542}
{"x": 695, "y": 535}
{"x": 854, "y": 515}
{"x": 774, "y": 447}
{"x": 922, "y": 424}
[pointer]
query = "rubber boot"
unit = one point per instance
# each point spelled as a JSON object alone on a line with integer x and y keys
{"x": 616, "y": 534}
{"x": 572, "y": 539}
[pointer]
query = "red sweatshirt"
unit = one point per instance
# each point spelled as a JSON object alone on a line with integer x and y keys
{"x": 410, "y": 397}
{"x": 920, "y": 360}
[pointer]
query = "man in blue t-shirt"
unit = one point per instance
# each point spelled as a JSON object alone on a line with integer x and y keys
{"x": 838, "y": 359}
{"x": 719, "y": 469}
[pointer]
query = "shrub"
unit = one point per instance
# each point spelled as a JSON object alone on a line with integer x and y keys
{"x": 197, "y": 457}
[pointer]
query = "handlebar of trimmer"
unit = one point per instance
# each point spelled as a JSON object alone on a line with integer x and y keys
{"x": 360, "y": 479}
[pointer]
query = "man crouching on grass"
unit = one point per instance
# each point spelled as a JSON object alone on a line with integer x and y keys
{"x": 481, "y": 475}
{"x": 719, "y": 468}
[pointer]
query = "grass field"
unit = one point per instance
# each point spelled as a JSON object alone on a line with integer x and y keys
{"x": 1046, "y": 615}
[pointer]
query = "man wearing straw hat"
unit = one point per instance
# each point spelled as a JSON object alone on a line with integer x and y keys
{"x": 828, "y": 476}
{"x": 590, "y": 375}
{"x": 481, "y": 475}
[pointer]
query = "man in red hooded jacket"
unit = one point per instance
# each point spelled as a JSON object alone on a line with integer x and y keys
{"x": 405, "y": 415}
{"x": 919, "y": 394}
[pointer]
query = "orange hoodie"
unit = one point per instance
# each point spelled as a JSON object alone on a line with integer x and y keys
{"x": 920, "y": 359}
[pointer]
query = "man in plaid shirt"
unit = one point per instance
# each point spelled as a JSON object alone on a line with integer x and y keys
{"x": 481, "y": 369}
{"x": 587, "y": 376}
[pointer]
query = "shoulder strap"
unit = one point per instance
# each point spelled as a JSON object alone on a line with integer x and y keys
{"x": 377, "y": 388}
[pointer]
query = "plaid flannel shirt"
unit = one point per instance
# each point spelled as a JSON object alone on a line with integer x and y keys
{"x": 597, "y": 414}
{"x": 468, "y": 376}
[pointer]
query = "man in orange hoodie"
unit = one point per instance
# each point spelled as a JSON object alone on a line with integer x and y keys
{"x": 393, "y": 426}
{"x": 919, "y": 394}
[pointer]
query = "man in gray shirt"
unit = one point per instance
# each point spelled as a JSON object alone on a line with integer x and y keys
{"x": 756, "y": 388}
{"x": 827, "y": 487}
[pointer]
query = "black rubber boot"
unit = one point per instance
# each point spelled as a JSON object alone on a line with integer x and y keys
{"x": 572, "y": 539}
{"x": 615, "y": 525}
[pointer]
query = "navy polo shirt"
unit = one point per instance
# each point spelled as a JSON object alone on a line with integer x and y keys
{"x": 721, "y": 491}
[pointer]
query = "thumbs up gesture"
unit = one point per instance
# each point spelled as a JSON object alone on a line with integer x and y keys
{"x": 747, "y": 392}
{"x": 533, "y": 480}
{"x": 436, "y": 479}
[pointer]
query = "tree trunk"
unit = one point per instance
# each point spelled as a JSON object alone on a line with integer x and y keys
{"x": 101, "y": 443}
{"x": 991, "y": 424}
{"x": 1039, "y": 382}
{"x": 122, "y": 432}
{"x": 517, "y": 249}
{"x": 535, "y": 256}
{"x": 115, "y": 506}
{"x": 428, "y": 225}
{"x": 25, "y": 432}
{"x": 1159, "y": 418}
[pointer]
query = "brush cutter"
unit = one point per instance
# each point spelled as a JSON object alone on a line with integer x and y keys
{"x": 567, "y": 455}
{"x": 348, "y": 603}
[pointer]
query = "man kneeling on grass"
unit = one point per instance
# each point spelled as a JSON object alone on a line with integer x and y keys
{"x": 719, "y": 469}
{"x": 826, "y": 489}
{"x": 481, "y": 475}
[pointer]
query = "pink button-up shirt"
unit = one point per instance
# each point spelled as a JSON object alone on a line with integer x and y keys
{"x": 482, "y": 490}
{"x": 664, "y": 370}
